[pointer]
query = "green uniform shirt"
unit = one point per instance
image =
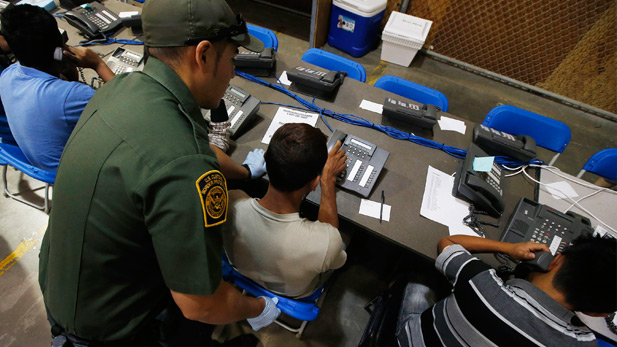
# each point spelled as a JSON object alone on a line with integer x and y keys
{"x": 136, "y": 201}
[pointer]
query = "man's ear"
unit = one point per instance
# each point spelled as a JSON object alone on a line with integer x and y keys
{"x": 555, "y": 262}
{"x": 201, "y": 53}
{"x": 314, "y": 182}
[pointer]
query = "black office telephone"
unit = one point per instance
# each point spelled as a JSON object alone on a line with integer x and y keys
{"x": 532, "y": 221}
{"x": 483, "y": 189}
{"x": 495, "y": 142}
{"x": 256, "y": 64}
{"x": 93, "y": 20}
{"x": 316, "y": 83}
{"x": 424, "y": 116}
{"x": 241, "y": 109}
{"x": 364, "y": 162}
{"x": 124, "y": 60}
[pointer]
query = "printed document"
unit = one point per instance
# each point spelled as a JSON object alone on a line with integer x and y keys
{"x": 439, "y": 205}
{"x": 286, "y": 115}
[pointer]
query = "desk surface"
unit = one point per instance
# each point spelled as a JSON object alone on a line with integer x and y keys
{"x": 404, "y": 176}
{"x": 601, "y": 204}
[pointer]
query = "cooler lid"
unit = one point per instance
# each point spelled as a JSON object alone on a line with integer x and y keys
{"x": 364, "y": 8}
{"x": 407, "y": 27}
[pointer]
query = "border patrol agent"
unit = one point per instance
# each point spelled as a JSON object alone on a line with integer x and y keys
{"x": 133, "y": 237}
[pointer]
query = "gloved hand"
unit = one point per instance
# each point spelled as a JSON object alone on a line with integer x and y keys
{"x": 267, "y": 317}
{"x": 256, "y": 163}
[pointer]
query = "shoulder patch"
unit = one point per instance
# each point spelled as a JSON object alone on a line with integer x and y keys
{"x": 212, "y": 190}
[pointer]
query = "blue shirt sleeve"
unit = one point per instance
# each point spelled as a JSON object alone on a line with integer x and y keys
{"x": 76, "y": 101}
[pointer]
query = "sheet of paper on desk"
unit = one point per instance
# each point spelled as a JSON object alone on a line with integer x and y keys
{"x": 373, "y": 209}
{"x": 284, "y": 79}
{"x": 447, "y": 123}
{"x": 288, "y": 115}
{"x": 561, "y": 190}
{"x": 371, "y": 106}
{"x": 439, "y": 205}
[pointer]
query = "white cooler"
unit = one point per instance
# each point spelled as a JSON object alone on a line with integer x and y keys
{"x": 402, "y": 37}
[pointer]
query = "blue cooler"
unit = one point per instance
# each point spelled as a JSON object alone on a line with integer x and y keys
{"x": 355, "y": 25}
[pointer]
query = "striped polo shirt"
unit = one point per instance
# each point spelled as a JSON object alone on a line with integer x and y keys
{"x": 484, "y": 311}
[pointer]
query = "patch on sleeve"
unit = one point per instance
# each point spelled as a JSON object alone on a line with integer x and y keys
{"x": 212, "y": 189}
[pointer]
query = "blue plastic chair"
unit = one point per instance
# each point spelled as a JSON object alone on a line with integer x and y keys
{"x": 334, "y": 62}
{"x": 13, "y": 156}
{"x": 304, "y": 309}
{"x": 413, "y": 91}
{"x": 548, "y": 133}
{"x": 603, "y": 163}
{"x": 267, "y": 36}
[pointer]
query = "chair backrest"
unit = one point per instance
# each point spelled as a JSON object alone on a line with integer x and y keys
{"x": 548, "y": 133}
{"x": 16, "y": 158}
{"x": 603, "y": 163}
{"x": 332, "y": 61}
{"x": 304, "y": 309}
{"x": 267, "y": 36}
{"x": 413, "y": 91}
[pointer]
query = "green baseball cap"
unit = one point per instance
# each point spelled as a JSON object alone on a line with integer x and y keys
{"x": 176, "y": 23}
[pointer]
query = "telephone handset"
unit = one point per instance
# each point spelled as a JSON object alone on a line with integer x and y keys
{"x": 521, "y": 147}
{"x": 364, "y": 162}
{"x": 321, "y": 84}
{"x": 483, "y": 189}
{"x": 94, "y": 20}
{"x": 424, "y": 116}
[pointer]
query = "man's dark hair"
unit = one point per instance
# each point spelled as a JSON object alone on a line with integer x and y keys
{"x": 588, "y": 275}
{"x": 32, "y": 34}
{"x": 297, "y": 153}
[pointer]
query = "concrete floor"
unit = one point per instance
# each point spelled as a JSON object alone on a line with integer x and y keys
{"x": 372, "y": 262}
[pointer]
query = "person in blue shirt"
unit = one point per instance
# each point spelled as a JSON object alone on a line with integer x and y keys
{"x": 40, "y": 93}
{"x": 6, "y": 59}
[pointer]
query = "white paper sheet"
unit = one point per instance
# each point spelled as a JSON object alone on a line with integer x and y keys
{"x": 371, "y": 106}
{"x": 284, "y": 79}
{"x": 561, "y": 190}
{"x": 289, "y": 115}
{"x": 439, "y": 205}
{"x": 373, "y": 208}
{"x": 446, "y": 123}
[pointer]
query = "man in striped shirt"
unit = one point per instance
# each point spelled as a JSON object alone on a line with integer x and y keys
{"x": 482, "y": 310}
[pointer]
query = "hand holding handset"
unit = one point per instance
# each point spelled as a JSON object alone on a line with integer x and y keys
{"x": 483, "y": 189}
{"x": 364, "y": 162}
{"x": 94, "y": 20}
{"x": 532, "y": 221}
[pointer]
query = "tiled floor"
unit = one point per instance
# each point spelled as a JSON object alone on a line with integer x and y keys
{"x": 372, "y": 261}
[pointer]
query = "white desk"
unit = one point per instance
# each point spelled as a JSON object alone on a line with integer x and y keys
{"x": 603, "y": 204}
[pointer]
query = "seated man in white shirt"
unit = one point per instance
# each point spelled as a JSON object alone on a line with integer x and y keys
{"x": 266, "y": 240}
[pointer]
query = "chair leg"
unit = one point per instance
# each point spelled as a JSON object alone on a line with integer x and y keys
{"x": 47, "y": 208}
{"x": 4, "y": 182}
{"x": 7, "y": 193}
{"x": 554, "y": 159}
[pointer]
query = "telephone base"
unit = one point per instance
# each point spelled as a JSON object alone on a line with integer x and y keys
{"x": 310, "y": 91}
